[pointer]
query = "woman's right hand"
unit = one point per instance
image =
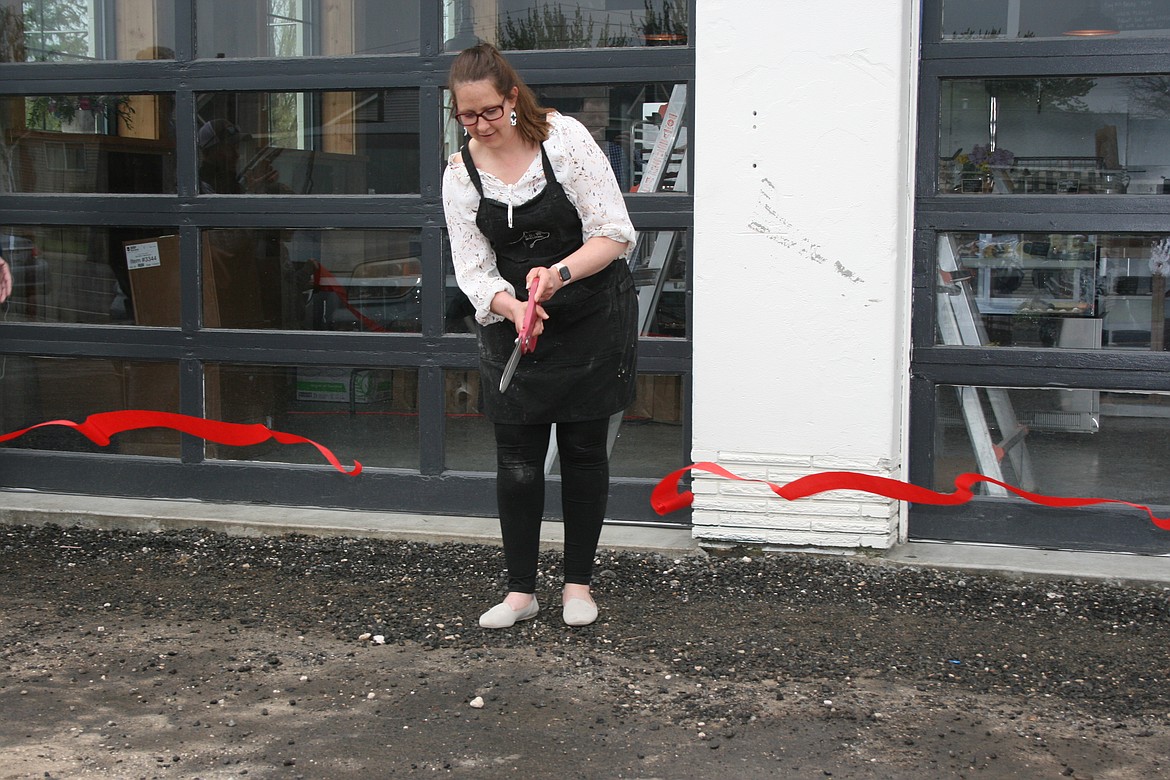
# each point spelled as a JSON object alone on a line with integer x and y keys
{"x": 514, "y": 309}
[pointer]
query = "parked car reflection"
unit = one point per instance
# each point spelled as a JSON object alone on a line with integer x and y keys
{"x": 378, "y": 296}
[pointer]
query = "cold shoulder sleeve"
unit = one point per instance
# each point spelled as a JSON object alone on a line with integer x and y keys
{"x": 472, "y": 255}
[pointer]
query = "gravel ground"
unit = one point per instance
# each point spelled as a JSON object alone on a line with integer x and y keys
{"x": 199, "y": 655}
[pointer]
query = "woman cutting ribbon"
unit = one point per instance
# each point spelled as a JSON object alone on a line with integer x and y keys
{"x": 532, "y": 203}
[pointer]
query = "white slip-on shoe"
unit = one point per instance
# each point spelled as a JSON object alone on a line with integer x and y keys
{"x": 503, "y": 616}
{"x": 579, "y": 612}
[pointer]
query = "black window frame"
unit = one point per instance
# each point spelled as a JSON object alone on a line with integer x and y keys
{"x": 987, "y": 519}
{"x": 431, "y": 488}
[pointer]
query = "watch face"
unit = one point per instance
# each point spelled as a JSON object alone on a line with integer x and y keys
{"x": 564, "y": 272}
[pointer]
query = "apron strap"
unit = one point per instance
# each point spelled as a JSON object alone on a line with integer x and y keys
{"x": 472, "y": 171}
{"x": 549, "y": 176}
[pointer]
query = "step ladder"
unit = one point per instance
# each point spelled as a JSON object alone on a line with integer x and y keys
{"x": 959, "y": 324}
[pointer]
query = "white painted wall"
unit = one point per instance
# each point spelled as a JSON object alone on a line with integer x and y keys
{"x": 803, "y": 143}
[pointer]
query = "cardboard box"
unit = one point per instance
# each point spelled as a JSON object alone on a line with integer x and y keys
{"x": 361, "y": 385}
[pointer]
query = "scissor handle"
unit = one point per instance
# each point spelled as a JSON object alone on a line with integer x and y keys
{"x": 527, "y": 342}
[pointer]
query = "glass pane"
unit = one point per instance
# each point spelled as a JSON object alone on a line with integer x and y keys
{"x": 39, "y": 389}
{"x": 74, "y": 274}
{"x": 1080, "y": 291}
{"x": 1084, "y": 135}
{"x": 309, "y": 143}
{"x": 360, "y": 413}
{"x": 470, "y": 441}
{"x": 649, "y": 440}
{"x": 659, "y": 266}
{"x": 84, "y": 30}
{"x": 87, "y": 143}
{"x": 303, "y": 28}
{"x": 982, "y": 20}
{"x": 308, "y": 279}
{"x": 533, "y": 24}
{"x": 1085, "y": 443}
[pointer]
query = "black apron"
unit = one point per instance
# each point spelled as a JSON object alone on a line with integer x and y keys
{"x": 584, "y": 364}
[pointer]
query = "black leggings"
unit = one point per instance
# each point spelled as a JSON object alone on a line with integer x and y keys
{"x": 520, "y": 454}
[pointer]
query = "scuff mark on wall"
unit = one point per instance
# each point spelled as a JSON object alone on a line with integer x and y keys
{"x": 781, "y": 231}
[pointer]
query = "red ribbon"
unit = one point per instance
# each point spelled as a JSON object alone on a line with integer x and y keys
{"x": 667, "y": 498}
{"x": 99, "y": 427}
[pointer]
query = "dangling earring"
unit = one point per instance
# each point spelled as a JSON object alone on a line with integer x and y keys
{"x": 512, "y": 119}
{"x": 466, "y": 132}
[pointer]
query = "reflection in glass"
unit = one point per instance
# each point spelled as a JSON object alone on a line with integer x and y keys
{"x": 1061, "y": 442}
{"x": 37, "y": 389}
{"x": 648, "y": 441}
{"x": 1078, "y": 291}
{"x": 309, "y": 143}
{"x": 82, "y": 30}
{"x": 87, "y": 143}
{"x": 1053, "y": 135}
{"x": 303, "y": 28}
{"x": 78, "y": 274}
{"x": 989, "y": 20}
{"x": 311, "y": 279}
{"x": 532, "y": 24}
{"x": 359, "y": 412}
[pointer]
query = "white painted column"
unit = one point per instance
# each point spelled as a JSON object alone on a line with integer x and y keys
{"x": 804, "y": 136}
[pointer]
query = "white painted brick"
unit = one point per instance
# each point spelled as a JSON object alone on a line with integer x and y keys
{"x": 835, "y": 526}
{"x": 835, "y": 463}
{"x": 729, "y": 460}
{"x": 888, "y": 509}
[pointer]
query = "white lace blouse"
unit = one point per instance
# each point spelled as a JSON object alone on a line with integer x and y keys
{"x": 588, "y": 180}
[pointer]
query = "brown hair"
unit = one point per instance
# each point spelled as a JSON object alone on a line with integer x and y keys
{"x": 485, "y": 63}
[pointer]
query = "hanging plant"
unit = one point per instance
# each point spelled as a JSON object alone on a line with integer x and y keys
{"x": 47, "y": 110}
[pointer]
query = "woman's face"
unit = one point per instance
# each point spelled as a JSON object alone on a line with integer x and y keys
{"x": 479, "y": 97}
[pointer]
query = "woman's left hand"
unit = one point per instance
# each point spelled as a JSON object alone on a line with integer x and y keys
{"x": 550, "y": 282}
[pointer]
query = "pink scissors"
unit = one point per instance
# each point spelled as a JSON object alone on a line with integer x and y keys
{"x": 525, "y": 343}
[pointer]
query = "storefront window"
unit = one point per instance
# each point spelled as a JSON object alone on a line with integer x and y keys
{"x": 87, "y": 143}
{"x": 1089, "y": 135}
{"x": 295, "y": 279}
{"x": 983, "y": 20}
{"x": 38, "y": 389}
{"x": 1083, "y": 443}
{"x": 647, "y": 443}
{"x": 309, "y": 143}
{"x": 304, "y": 28}
{"x": 1071, "y": 290}
{"x": 86, "y": 30}
{"x": 361, "y": 413}
{"x": 81, "y": 274}
{"x": 532, "y": 24}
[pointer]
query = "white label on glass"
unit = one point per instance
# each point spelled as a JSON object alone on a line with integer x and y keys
{"x": 143, "y": 255}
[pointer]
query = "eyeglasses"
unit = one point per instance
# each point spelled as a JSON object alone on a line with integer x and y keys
{"x": 469, "y": 118}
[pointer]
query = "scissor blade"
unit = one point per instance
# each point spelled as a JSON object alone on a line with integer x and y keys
{"x": 510, "y": 368}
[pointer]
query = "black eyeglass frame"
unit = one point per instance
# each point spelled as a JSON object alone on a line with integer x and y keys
{"x": 469, "y": 118}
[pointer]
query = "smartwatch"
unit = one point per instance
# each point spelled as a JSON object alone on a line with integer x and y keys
{"x": 563, "y": 271}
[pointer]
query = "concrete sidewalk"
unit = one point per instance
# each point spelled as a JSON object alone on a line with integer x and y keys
{"x": 32, "y": 508}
